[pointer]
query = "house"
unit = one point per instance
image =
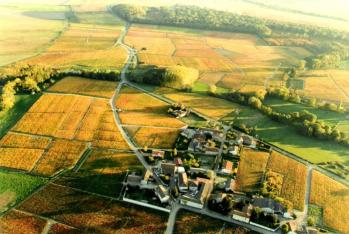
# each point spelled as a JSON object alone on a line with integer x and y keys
{"x": 269, "y": 206}
{"x": 178, "y": 161}
{"x": 227, "y": 167}
{"x": 168, "y": 168}
{"x": 183, "y": 182}
{"x": 188, "y": 133}
{"x": 162, "y": 193}
{"x": 158, "y": 154}
{"x": 292, "y": 226}
{"x": 233, "y": 151}
{"x": 211, "y": 150}
{"x": 146, "y": 176}
{"x": 244, "y": 215}
{"x": 231, "y": 185}
{"x": 193, "y": 185}
{"x": 218, "y": 197}
{"x": 249, "y": 141}
{"x": 198, "y": 199}
{"x": 312, "y": 230}
{"x": 180, "y": 169}
{"x": 133, "y": 179}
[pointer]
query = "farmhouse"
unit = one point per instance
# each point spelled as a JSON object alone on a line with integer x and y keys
{"x": 231, "y": 185}
{"x": 233, "y": 151}
{"x": 243, "y": 215}
{"x": 178, "y": 161}
{"x": 168, "y": 168}
{"x": 198, "y": 198}
{"x": 269, "y": 206}
{"x": 158, "y": 154}
{"x": 249, "y": 141}
{"x": 162, "y": 193}
{"x": 133, "y": 179}
{"x": 227, "y": 167}
{"x": 183, "y": 182}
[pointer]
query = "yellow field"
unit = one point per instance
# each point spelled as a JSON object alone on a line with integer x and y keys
{"x": 24, "y": 141}
{"x": 333, "y": 198}
{"x": 142, "y": 109}
{"x": 294, "y": 178}
{"x": 162, "y": 138}
{"x": 210, "y": 106}
{"x": 19, "y": 158}
{"x": 61, "y": 155}
{"x": 251, "y": 169}
{"x": 79, "y": 85}
{"x": 108, "y": 162}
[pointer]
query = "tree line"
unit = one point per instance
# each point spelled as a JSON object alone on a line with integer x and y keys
{"x": 33, "y": 78}
{"x": 204, "y": 18}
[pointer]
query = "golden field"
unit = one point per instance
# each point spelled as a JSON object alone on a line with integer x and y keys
{"x": 333, "y": 198}
{"x": 251, "y": 170}
{"x": 294, "y": 178}
{"x": 79, "y": 85}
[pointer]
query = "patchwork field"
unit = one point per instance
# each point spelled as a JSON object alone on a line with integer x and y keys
{"x": 294, "y": 178}
{"x": 162, "y": 138}
{"x": 228, "y": 60}
{"x": 79, "y": 85}
{"x": 92, "y": 213}
{"x": 210, "y": 106}
{"x": 16, "y": 21}
{"x": 333, "y": 198}
{"x": 251, "y": 169}
{"x": 15, "y": 187}
{"x": 144, "y": 110}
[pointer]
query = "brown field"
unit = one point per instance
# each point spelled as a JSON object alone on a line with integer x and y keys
{"x": 153, "y": 137}
{"x": 244, "y": 59}
{"x": 333, "y": 198}
{"x": 294, "y": 178}
{"x": 79, "y": 85}
{"x": 210, "y": 106}
{"x": 19, "y": 158}
{"x": 24, "y": 141}
{"x": 142, "y": 109}
{"x": 200, "y": 224}
{"x": 251, "y": 169}
{"x": 108, "y": 162}
{"x": 61, "y": 155}
{"x": 93, "y": 214}
{"x": 17, "y": 222}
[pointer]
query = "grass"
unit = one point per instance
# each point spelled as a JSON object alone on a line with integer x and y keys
{"x": 251, "y": 169}
{"x": 333, "y": 198}
{"x": 8, "y": 118}
{"x": 79, "y": 85}
{"x": 316, "y": 213}
{"x": 14, "y": 187}
{"x": 39, "y": 32}
{"x": 294, "y": 178}
{"x": 188, "y": 222}
{"x": 341, "y": 120}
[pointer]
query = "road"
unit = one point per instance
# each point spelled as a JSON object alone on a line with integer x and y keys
{"x": 219, "y": 156}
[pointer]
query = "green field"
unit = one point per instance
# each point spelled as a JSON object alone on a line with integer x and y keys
{"x": 15, "y": 187}
{"x": 40, "y": 24}
{"x": 341, "y": 120}
{"x": 9, "y": 118}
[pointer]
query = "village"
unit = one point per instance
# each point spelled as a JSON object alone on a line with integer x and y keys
{"x": 201, "y": 173}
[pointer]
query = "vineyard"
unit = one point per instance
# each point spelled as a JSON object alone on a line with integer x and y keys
{"x": 294, "y": 178}
{"x": 333, "y": 198}
{"x": 251, "y": 169}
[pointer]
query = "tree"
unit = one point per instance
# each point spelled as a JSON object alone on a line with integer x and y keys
{"x": 145, "y": 148}
{"x": 255, "y": 102}
{"x": 174, "y": 152}
{"x": 212, "y": 89}
{"x": 180, "y": 77}
{"x": 285, "y": 228}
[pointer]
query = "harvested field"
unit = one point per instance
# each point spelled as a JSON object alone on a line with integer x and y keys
{"x": 142, "y": 109}
{"x": 79, "y": 85}
{"x": 154, "y": 137}
{"x": 210, "y": 106}
{"x": 16, "y": 222}
{"x": 13, "y": 140}
{"x": 294, "y": 178}
{"x": 19, "y": 158}
{"x": 151, "y": 45}
{"x": 252, "y": 167}
{"x": 61, "y": 155}
{"x": 15, "y": 187}
{"x": 333, "y": 198}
